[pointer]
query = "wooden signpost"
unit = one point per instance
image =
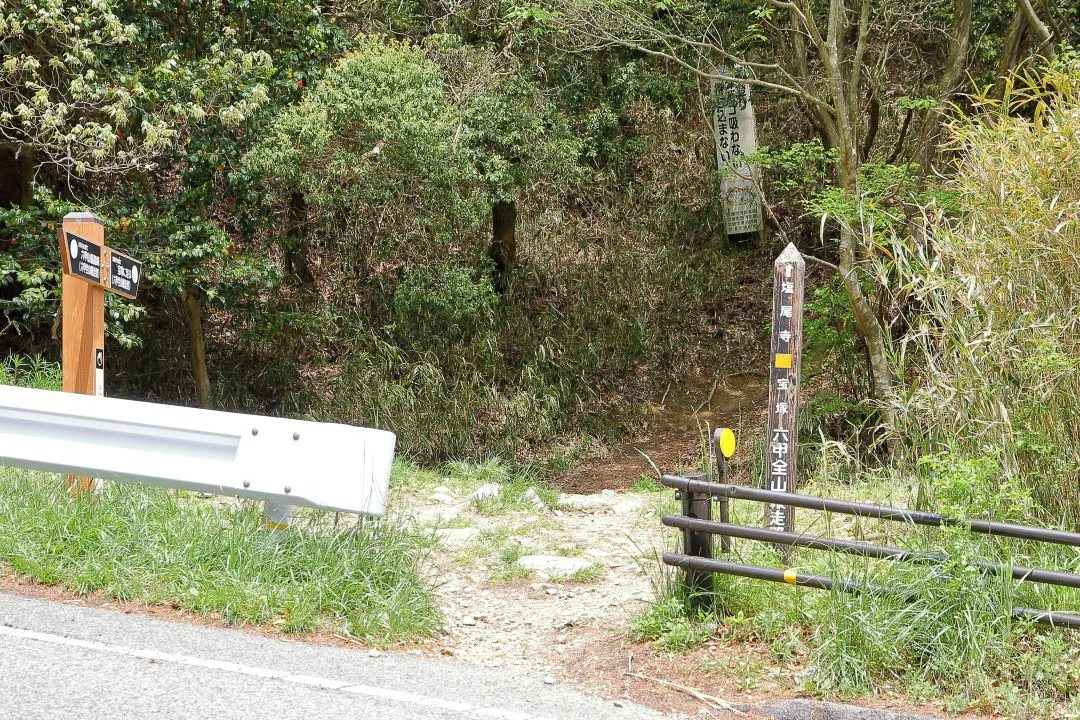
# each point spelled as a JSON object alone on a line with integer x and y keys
{"x": 90, "y": 268}
{"x": 782, "y": 439}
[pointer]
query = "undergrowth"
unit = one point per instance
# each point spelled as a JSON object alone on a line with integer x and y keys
{"x": 985, "y": 415}
{"x": 30, "y": 371}
{"x": 942, "y": 629}
{"x": 990, "y": 361}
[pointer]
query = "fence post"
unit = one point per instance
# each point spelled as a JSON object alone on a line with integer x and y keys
{"x": 698, "y": 544}
{"x": 723, "y": 448}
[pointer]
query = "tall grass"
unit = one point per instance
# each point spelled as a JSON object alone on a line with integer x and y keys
{"x": 160, "y": 547}
{"x": 945, "y": 631}
{"x": 991, "y": 361}
{"x": 30, "y": 371}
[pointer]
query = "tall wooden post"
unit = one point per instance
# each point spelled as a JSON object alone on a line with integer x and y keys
{"x": 90, "y": 268}
{"x": 781, "y": 441}
{"x": 82, "y": 241}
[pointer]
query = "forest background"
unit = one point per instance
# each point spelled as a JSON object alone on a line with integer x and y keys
{"x": 495, "y": 228}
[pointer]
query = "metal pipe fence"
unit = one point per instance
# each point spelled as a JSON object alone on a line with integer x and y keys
{"x": 697, "y": 495}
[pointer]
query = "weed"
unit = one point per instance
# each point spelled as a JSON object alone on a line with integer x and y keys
{"x": 569, "y": 550}
{"x": 683, "y": 634}
{"x": 589, "y": 574}
{"x": 668, "y": 622}
{"x": 646, "y": 484}
{"x": 30, "y": 371}
{"x": 508, "y": 569}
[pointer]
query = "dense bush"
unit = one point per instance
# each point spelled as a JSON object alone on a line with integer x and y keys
{"x": 992, "y": 358}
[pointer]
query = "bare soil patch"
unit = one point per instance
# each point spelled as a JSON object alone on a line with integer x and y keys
{"x": 675, "y": 432}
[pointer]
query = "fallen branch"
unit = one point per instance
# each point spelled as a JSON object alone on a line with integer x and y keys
{"x": 348, "y": 639}
{"x": 712, "y": 701}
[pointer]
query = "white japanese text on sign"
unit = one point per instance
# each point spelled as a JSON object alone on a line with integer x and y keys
{"x": 781, "y": 440}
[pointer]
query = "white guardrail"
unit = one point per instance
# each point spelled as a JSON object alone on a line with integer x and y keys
{"x": 284, "y": 462}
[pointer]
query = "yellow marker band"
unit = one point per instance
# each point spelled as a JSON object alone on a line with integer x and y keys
{"x": 276, "y": 525}
{"x": 791, "y": 577}
{"x": 783, "y": 360}
{"x": 727, "y": 442}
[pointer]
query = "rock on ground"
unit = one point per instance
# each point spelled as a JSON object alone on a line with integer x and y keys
{"x": 553, "y": 565}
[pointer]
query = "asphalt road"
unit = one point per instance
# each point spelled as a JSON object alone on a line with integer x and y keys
{"x": 63, "y": 661}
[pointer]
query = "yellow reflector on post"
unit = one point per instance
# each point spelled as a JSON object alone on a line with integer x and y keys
{"x": 727, "y": 442}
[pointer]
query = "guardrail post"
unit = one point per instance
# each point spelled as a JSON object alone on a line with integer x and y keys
{"x": 276, "y": 517}
{"x": 698, "y": 544}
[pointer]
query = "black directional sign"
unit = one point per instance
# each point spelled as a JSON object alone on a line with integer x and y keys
{"x": 124, "y": 274}
{"x": 84, "y": 257}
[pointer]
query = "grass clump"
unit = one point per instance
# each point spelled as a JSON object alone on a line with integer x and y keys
{"x": 160, "y": 547}
{"x": 670, "y": 625}
{"x": 646, "y": 484}
{"x": 589, "y": 574}
{"x": 30, "y": 371}
{"x": 508, "y": 569}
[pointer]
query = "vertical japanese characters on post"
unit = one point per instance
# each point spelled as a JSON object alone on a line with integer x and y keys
{"x": 782, "y": 436}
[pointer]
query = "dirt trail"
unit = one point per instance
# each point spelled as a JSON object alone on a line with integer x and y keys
{"x": 577, "y": 629}
{"x": 672, "y": 438}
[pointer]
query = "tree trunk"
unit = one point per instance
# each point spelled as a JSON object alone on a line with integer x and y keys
{"x": 503, "y": 250}
{"x": 1039, "y": 28}
{"x": 881, "y": 378}
{"x": 197, "y": 348}
{"x": 26, "y": 177}
{"x": 1015, "y": 49}
{"x": 296, "y": 255}
{"x": 955, "y": 65}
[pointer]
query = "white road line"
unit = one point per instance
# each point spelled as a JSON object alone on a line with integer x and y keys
{"x": 252, "y": 671}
